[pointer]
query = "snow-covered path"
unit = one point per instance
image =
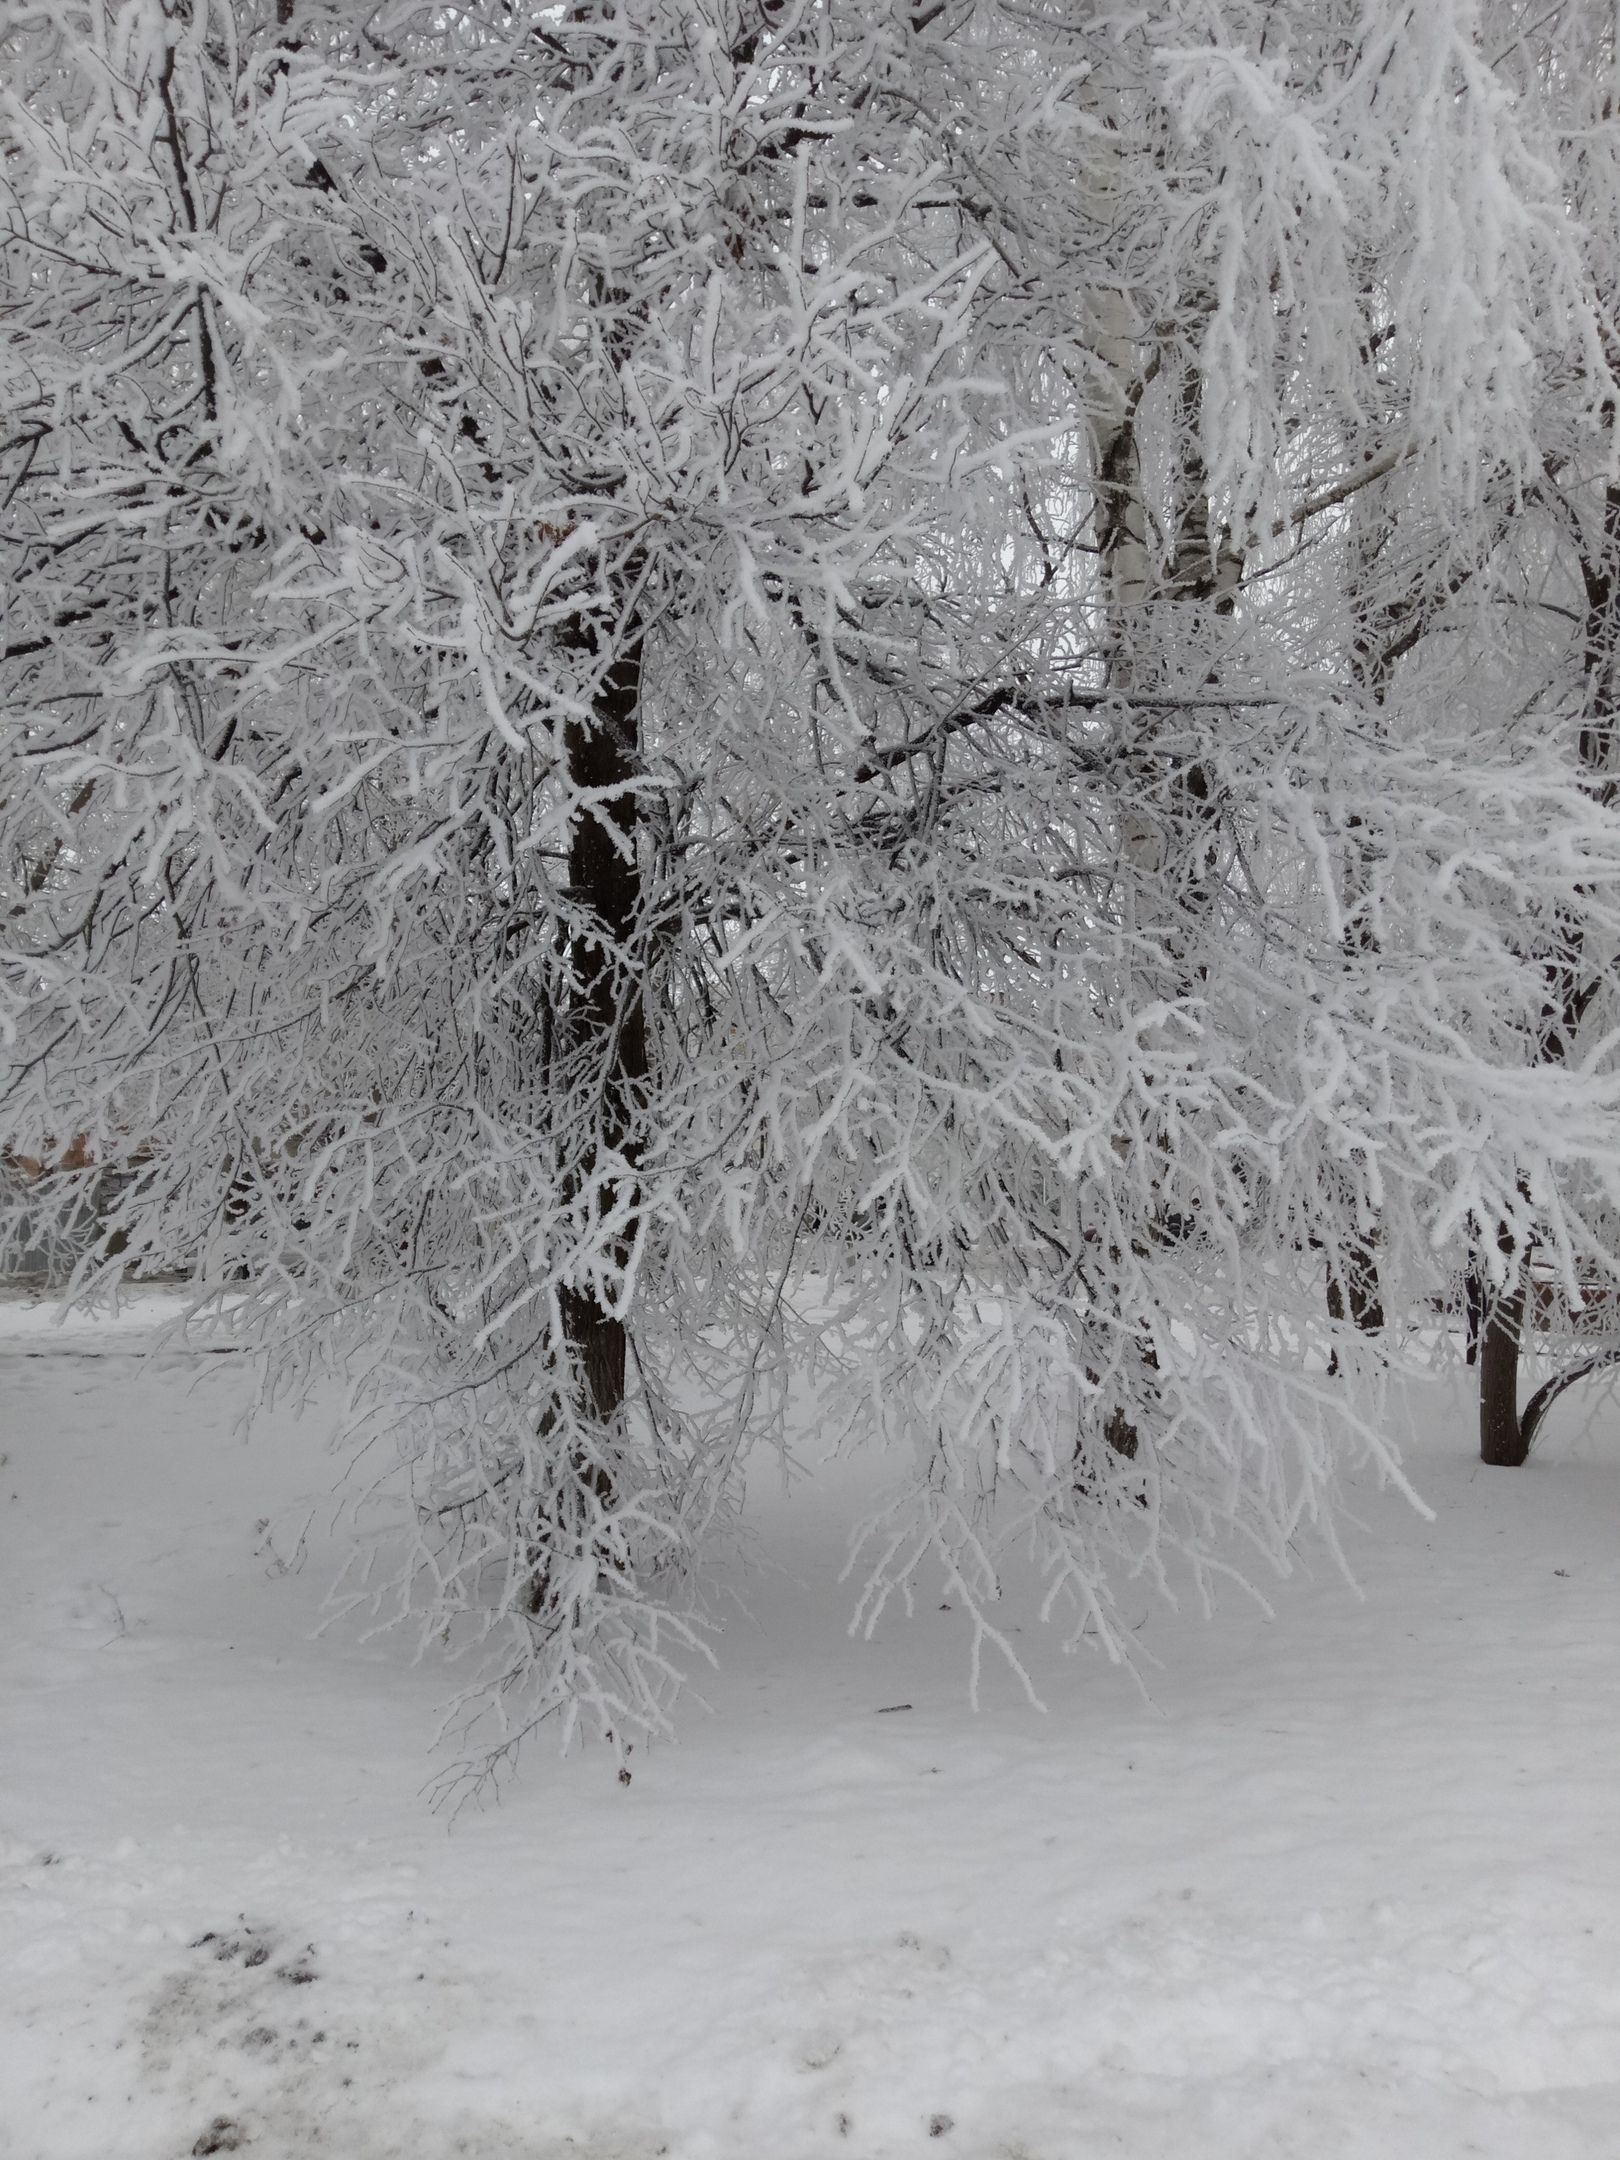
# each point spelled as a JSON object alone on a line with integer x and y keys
{"x": 1349, "y": 1886}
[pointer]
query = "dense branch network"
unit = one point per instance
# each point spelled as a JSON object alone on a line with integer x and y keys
{"x": 694, "y": 692}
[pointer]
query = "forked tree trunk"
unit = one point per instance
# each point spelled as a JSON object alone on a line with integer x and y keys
{"x": 1357, "y": 1297}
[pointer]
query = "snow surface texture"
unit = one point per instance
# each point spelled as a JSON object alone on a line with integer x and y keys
{"x": 1349, "y": 1885}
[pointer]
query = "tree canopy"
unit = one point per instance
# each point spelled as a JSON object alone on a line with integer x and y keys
{"x": 908, "y": 697}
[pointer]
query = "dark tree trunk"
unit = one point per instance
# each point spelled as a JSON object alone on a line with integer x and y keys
{"x": 1473, "y": 1310}
{"x": 607, "y": 1017}
{"x": 603, "y": 1038}
{"x": 1358, "y": 1297}
{"x": 1501, "y": 1435}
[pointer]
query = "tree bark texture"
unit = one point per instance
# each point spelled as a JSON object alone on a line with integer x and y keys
{"x": 1501, "y": 1436}
{"x": 608, "y": 1010}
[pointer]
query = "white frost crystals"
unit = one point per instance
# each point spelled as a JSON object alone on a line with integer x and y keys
{"x": 660, "y": 652}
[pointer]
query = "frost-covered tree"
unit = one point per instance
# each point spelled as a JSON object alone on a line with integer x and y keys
{"x": 710, "y": 697}
{"x": 1559, "y": 583}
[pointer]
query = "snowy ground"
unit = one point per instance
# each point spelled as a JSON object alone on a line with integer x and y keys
{"x": 1349, "y": 1886}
